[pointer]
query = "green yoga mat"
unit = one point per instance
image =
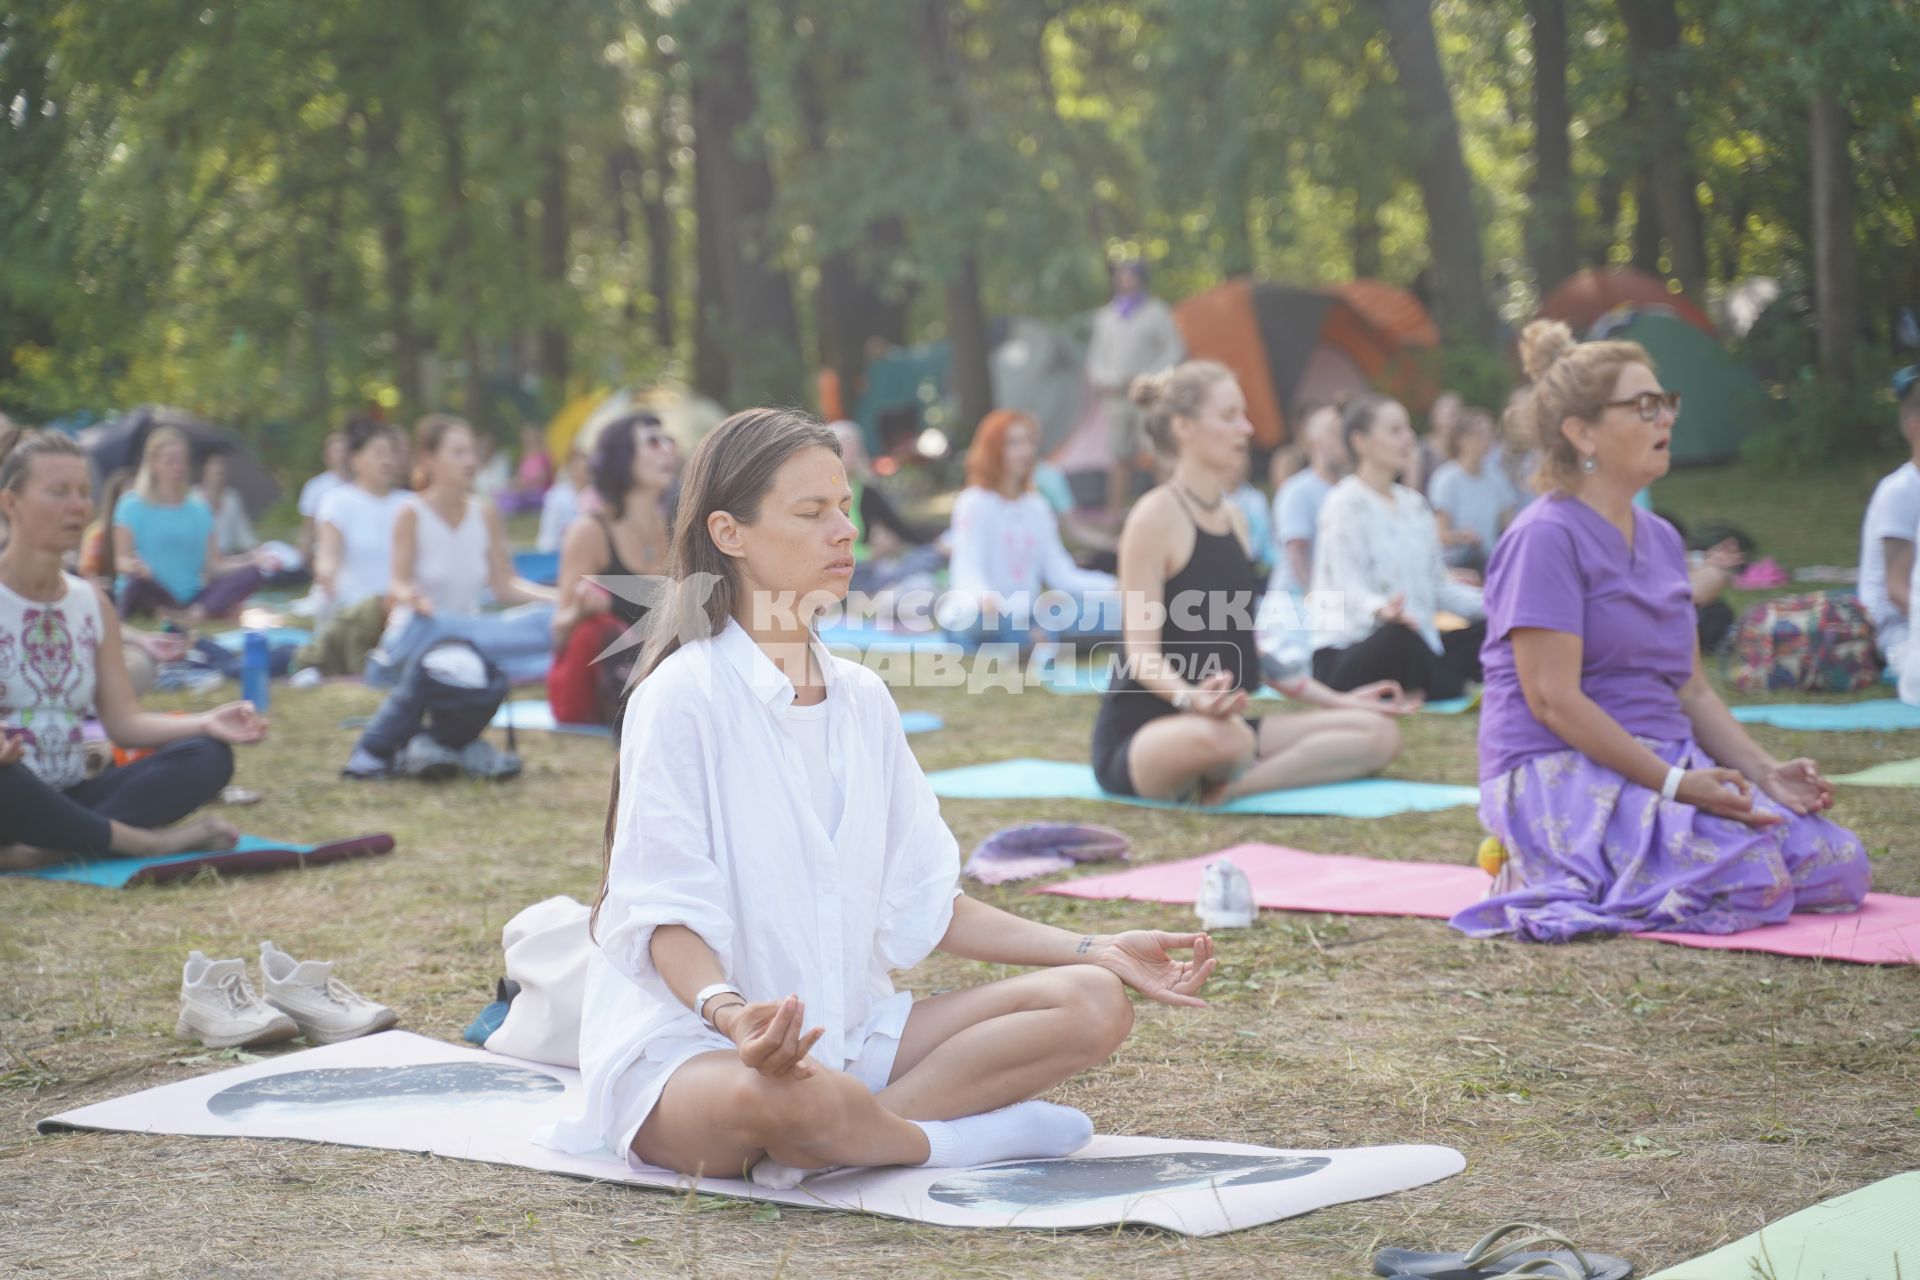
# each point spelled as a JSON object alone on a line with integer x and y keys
{"x": 1894, "y": 773}
{"x": 1866, "y": 1234}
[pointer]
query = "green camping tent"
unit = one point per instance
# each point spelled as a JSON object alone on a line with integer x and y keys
{"x": 1721, "y": 399}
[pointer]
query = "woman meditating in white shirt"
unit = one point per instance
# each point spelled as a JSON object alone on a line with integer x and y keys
{"x": 1007, "y": 548}
{"x": 1377, "y": 567}
{"x": 774, "y": 852}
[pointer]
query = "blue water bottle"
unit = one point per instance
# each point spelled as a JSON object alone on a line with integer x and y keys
{"x": 253, "y": 670}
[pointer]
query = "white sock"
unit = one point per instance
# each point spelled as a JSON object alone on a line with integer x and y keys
{"x": 774, "y": 1176}
{"x": 1024, "y": 1131}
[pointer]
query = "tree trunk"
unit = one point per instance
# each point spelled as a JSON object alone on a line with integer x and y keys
{"x": 1553, "y": 243}
{"x": 1367, "y": 258}
{"x": 758, "y": 298}
{"x": 711, "y": 359}
{"x": 554, "y": 245}
{"x": 1453, "y": 228}
{"x": 849, "y": 309}
{"x": 1836, "y": 276}
{"x": 1646, "y": 224}
{"x": 1653, "y": 33}
{"x": 654, "y": 211}
{"x": 1230, "y": 217}
{"x": 971, "y": 377}
{"x": 458, "y": 262}
{"x": 383, "y": 191}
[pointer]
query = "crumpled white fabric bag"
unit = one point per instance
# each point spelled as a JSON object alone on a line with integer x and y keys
{"x": 547, "y": 950}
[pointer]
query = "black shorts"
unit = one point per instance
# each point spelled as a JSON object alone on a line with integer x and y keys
{"x": 1122, "y": 715}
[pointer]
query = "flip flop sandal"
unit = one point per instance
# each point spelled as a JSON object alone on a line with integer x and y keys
{"x": 1489, "y": 1258}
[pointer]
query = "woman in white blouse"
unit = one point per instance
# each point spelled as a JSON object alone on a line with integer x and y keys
{"x": 353, "y": 555}
{"x": 1379, "y": 579}
{"x": 774, "y": 853}
{"x": 449, "y": 550}
{"x": 1007, "y": 548}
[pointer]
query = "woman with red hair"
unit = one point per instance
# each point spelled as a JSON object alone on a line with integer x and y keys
{"x": 1007, "y": 548}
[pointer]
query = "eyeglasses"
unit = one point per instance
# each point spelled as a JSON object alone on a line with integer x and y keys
{"x": 1650, "y": 403}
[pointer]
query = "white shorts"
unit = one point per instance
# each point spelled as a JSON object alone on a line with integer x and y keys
{"x": 638, "y": 1090}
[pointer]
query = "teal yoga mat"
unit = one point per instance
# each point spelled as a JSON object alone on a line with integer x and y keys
{"x": 1078, "y": 679}
{"x": 1059, "y": 780}
{"x": 534, "y": 715}
{"x": 1874, "y": 1231}
{"x": 253, "y": 853}
{"x": 1884, "y": 714}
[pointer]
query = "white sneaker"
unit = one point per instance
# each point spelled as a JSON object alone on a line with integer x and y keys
{"x": 1226, "y": 897}
{"x": 218, "y": 1007}
{"x": 325, "y": 1008}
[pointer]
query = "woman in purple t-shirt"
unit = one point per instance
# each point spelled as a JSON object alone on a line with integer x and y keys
{"x": 1603, "y": 748}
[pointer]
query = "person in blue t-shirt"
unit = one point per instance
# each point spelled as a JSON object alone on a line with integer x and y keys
{"x": 164, "y": 543}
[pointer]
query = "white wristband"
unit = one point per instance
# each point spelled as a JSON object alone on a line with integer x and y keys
{"x": 708, "y": 993}
{"x": 1671, "y": 787}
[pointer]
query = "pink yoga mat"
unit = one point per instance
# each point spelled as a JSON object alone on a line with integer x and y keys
{"x": 1886, "y": 930}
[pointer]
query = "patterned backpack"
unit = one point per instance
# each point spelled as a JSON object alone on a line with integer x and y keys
{"x": 1821, "y": 642}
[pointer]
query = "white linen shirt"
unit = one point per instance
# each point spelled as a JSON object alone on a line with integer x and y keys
{"x": 716, "y": 831}
{"x": 1371, "y": 548}
{"x": 1008, "y": 548}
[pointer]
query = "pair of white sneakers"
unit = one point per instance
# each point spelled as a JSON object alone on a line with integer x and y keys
{"x": 219, "y": 1007}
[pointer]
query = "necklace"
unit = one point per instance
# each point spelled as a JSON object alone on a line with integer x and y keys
{"x": 1196, "y": 500}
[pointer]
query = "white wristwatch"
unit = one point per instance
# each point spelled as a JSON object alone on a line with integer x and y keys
{"x": 707, "y": 993}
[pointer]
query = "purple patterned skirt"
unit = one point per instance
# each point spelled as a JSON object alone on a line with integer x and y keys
{"x": 1590, "y": 852}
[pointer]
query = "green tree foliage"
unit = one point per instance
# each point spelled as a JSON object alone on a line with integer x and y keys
{"x": 275, "y": 213}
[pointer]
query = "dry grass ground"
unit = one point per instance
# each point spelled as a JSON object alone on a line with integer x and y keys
{"x": 1652, "y": 1100}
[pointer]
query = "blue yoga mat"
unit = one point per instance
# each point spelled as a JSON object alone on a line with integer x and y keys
{"x": 1059, "y": 780}
{"x": 1885, "y": 714}
{"x": 542, "y": 567}
{"x": 536, "y": 715}
{"x": 252, "y": 853}
{"x": 277, "y": 638}
{"x": 1079, "y": 679}
{"x": 868, "y": 638}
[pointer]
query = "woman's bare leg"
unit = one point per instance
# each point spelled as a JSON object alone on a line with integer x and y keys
{"x": 1166, "y": 757}
{"x": 987, "y": 1047}
{"x": 1309, "y": 748}
{"x": 717, "y": 1117}
{"x": 962, "y": 1053}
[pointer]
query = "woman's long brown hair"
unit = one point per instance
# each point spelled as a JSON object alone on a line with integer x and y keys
{"x": 731, "y": 470}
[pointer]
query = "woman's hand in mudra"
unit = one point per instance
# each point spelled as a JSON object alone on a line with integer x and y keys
{"x": 1218, "y": 697}
{"x": 1141, "y": 959}
{"x": 1724, "y": 793}
{"x": 1796, "y": 785}
{"x": 769, "y": 1036}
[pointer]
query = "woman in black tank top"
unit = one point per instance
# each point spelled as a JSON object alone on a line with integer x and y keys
{"x": 1173, "y": 723}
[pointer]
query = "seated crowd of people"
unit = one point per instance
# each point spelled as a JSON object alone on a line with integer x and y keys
{"x": 1422, "y": 566}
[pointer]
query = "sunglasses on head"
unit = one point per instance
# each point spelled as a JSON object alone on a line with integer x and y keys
{"x": 1904, "y": 380}
{"x": 1650, "y": 403}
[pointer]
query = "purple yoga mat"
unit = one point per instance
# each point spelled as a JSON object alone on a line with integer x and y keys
{"x": 1886, "y": 929}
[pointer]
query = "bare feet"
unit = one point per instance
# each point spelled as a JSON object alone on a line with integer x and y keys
{"x": 24, "y": 857}
{"x": 197, "y": 834}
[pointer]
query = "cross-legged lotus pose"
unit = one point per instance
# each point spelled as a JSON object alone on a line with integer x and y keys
{"x": 1626, "y": 795}
{"x": 60, "y": 659}
{"x": 1172, "y": 722}
{"x": 774, "y": 851}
